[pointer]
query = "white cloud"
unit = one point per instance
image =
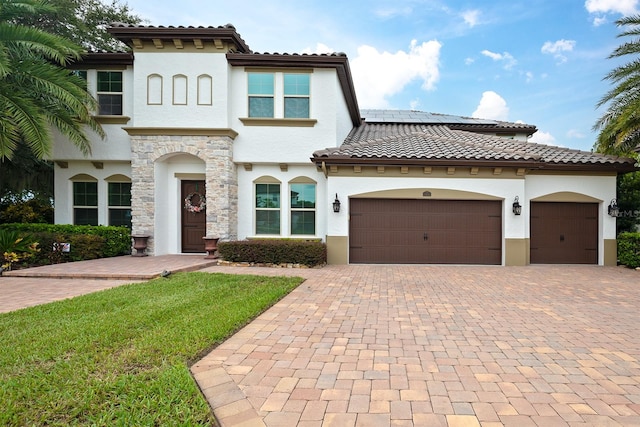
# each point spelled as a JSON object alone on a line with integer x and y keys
{"x": 529, "y": 76}
{"x": 379, "y": 75}
{"x": 509, "y": 61}
{"x": 541, "y": 137}
{"x": 597, "y": 21}
{"x": 320, "y": 48}
{"x": 557, "y": 48}
{"x": 471, "y": 17}
{"x": 561, "y": 45}
{"x": 624, "y": 7}
{"x": 469, "y": 61}
{"x": 575, "y": 134}
{"x": 492, "y": 106}
{"x": 393, "y": 12}
{"x": 603, "y": 7}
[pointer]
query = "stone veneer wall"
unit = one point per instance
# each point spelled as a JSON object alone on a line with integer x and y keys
{"x": 221, "y": 181}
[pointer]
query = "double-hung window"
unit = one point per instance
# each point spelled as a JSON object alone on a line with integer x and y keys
{"x": 268, "y": 208}
{"x": 261, "y": 93}
{"x": 303, "y": 209}
{"x": 85, "y": 203}
{"x": 120, "y": 203}
{"x": 110, "y": 93}
{"x": 296, "y": 96}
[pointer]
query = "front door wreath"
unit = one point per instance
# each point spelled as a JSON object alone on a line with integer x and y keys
{"x": 194, "y": 208}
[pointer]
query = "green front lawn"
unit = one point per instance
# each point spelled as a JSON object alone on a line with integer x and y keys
{"x": 121, "y": 356}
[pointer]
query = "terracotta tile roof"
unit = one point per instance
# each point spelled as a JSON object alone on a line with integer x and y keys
{"x": 439, "y": 144}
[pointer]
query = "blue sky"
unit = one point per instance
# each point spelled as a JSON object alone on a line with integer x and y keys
{"x": 541, "y": 62}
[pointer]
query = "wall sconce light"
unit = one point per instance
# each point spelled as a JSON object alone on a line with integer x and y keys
{"x": 336, "y": 204}
{"x": 517, "y": 209}
{"x": 613, "y": 209}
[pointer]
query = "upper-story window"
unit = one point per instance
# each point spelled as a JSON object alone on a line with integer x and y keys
{"x": 261, "y": 94}
{"x": 110, "y": 93}
{"x": 296, "y": 96}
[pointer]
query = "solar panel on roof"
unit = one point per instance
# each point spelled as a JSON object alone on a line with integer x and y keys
{"x": 423, "y": 117}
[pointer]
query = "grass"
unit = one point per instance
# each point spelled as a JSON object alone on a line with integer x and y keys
{"x": 122, "y": 356}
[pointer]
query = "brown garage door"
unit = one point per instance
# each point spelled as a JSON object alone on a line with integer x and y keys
{"x": 386, "y": 231}
{"x": 564, "y": 233}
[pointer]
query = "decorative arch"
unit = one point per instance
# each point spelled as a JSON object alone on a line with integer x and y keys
{"x": 118, "y": 178}
{"x": 566, "y": 196}
{"x": 83, "y": 177}
{"x": 205, "y": 89}
{"x": 180, "y": 87}
{"x": 154, "y": 89}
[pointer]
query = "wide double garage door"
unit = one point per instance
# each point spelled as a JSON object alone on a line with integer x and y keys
{"x": 394, "y": 231}
{"x": 389, "y": 231}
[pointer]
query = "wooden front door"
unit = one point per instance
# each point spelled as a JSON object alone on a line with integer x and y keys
{"x": 194, "y": 224}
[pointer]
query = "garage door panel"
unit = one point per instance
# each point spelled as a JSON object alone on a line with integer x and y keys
{"x": 564, "y": 233}
{"x": 425, "y": 231}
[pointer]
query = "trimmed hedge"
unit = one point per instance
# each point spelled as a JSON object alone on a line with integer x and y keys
{"x": 629, "y": 249}
{"x": 274, "y": 251}
{"x": 87, "y": 241}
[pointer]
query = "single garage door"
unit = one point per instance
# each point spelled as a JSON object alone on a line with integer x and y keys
{"x": 386, "y": 231}
{"x": 564, "y": 233}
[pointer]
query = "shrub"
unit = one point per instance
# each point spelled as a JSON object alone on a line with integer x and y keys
{"x": 275, "y": 251}
{"x": 16, "y": 247}
{"x": 629, "y": 249}
{"x": 87, "y": 242}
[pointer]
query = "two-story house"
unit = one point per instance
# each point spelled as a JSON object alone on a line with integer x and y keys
{"x": 206, "y": 137}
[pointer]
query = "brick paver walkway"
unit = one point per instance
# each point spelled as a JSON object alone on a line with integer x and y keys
{"x": 436, "y": 345}
{"x": 383, "y": 345}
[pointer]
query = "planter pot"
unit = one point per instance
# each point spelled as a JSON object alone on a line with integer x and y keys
{"x": 211, "y": 246}
{"x": 140, "y": 245}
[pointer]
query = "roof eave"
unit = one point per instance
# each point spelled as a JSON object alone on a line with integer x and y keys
{"x": 524, "y": 163}
{"x": 126, "y": 34}
{"x": 103, "y": 58}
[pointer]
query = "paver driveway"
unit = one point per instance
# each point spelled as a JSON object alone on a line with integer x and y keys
{"x": 436, "y": 345}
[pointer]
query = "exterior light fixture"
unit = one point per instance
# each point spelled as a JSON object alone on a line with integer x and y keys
{"x": 336, "y": 204}
{"x": 613, "y": 209}
{"x": 517, "y": 209}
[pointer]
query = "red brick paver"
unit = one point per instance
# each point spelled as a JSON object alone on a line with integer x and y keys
{"x": 436, "y": 345}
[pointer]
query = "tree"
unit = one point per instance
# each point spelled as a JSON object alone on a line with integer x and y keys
{"x": 36, "y": 92}
{"x": 619, "y": 126}
{"x": 84, "y": 22}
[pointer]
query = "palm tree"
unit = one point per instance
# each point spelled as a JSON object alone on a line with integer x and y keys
{"x": 37, "y": 94}
{"x": 619, "y": 126}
